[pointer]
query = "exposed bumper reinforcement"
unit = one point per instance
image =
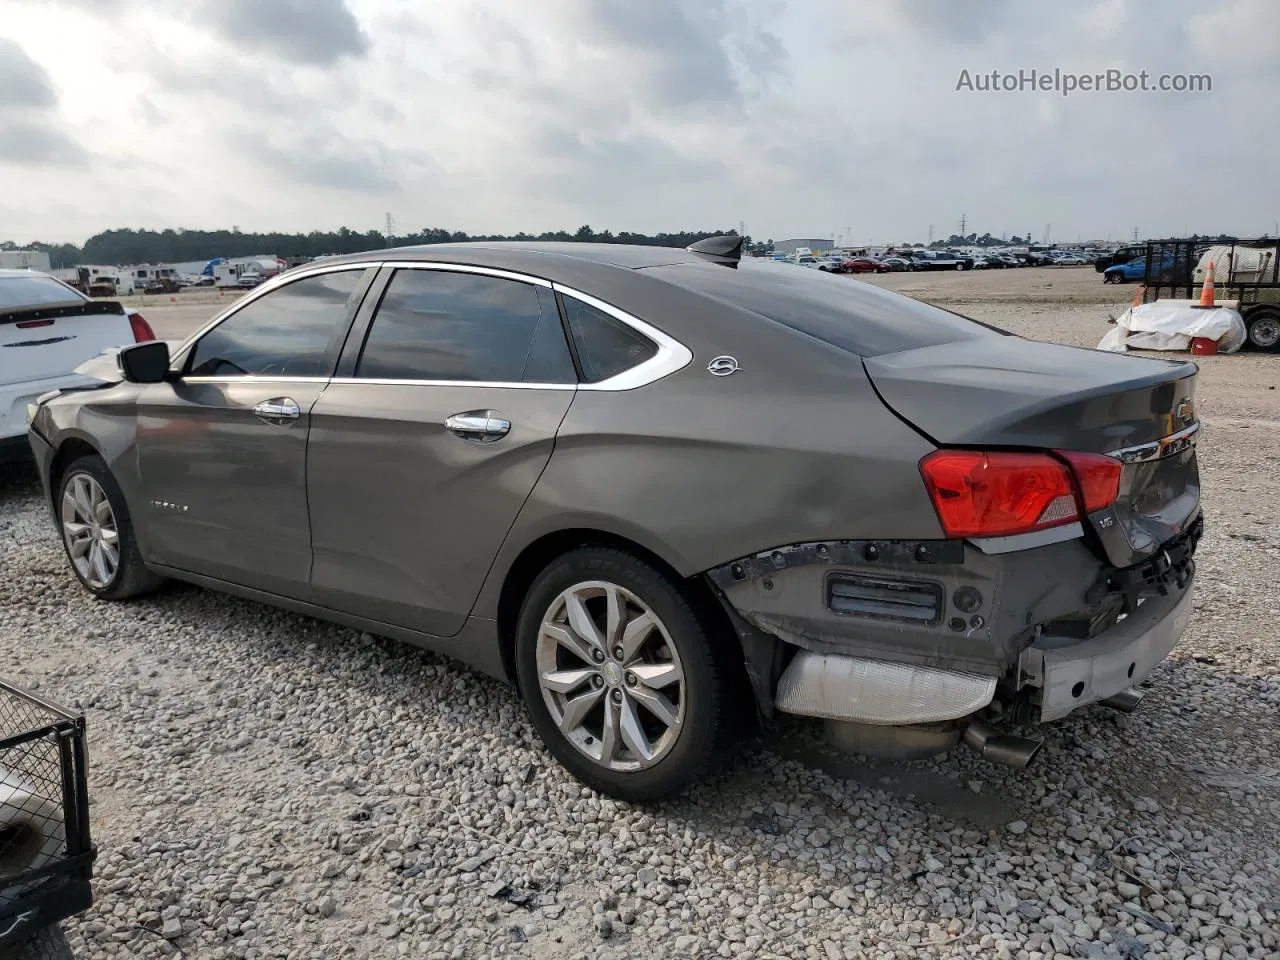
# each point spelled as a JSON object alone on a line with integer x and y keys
{"x": 1081, "y": 673}
{"x": 836, "y": 687}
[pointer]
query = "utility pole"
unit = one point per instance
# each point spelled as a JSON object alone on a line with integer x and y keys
{"x": 1135, "y": 234}
{"x": 391, "y": 225}
{"x": 963, "y": 221}
{"x": 931, "y": 234}
{"x": 1046, "y": 233}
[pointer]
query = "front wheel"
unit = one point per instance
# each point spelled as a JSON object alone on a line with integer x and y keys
{"x": 620, "y": 678}
{"x": 97, "y": 532}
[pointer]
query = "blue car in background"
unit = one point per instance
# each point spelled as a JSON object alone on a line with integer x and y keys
{"x": 1135, "y": 269}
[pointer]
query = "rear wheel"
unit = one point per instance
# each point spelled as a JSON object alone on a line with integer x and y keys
{"x": 97, "y": 532}
{"x": 1263, "y": 329}
{"x": 619, "y": 676}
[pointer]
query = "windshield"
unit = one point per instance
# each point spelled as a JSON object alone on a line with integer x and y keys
{"x": 34, "y": 290}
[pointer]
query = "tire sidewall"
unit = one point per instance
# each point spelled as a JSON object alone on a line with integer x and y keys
{"x": 1257, "y": 317}
{"x": 95, "y": 467}
{"x": 699, "y": 729}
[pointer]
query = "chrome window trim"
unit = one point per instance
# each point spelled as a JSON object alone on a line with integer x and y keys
{"x": 486, "y": 384}
{"x": 1157, "y": 449}
{"x": 466, "y": 268}
{"x": 672, "y": 355}
{"x": 254, "y": 378}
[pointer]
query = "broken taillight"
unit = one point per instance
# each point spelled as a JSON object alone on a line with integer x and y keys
{"x": 979, "y": 493}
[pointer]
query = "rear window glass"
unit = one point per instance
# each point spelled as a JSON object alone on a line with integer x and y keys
{"x": 31, "y": 291}
{"x": 841, "y": 311}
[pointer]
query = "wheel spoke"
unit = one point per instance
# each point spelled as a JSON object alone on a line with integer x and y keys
{"x": 567, "y": 639}
{"x": 109, "y": 536}
{"x": 111, "y": 552}
{"x": 656, "y": 676}
{"x": 658, "y": 705}
{"x": 577, "y": 708}
{"x": 75, "y": 530}
{"x": 581, "y": 622}
{"x": 632, "y": 732}
{"x": 566, "y": 681}
{"x": 80, "y": 546}
{"x": 614, "y": 607}
{"x": 636, "y": 633}
{"x": 83, "y": 506}
{"x": 97, "y": 566}
{"x": 610, "y": 739}
{"x": 102, "y": 507}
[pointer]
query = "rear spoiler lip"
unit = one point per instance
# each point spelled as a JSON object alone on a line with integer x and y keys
{"x": 55, "y": 311}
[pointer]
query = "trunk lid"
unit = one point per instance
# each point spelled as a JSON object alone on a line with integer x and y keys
{"x": 37, "y": 343}
{"x": 1015, "y": 393}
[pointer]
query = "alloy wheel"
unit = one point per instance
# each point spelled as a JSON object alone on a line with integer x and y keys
{"x": 90, "y": 531}
{"x": 610, "y": 676}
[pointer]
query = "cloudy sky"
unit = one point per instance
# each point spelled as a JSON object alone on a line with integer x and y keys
{"x": 798, "y": 117}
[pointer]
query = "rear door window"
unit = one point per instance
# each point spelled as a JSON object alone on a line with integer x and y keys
{"x": 293, "y": 331}
{"x": 467, "y": 327}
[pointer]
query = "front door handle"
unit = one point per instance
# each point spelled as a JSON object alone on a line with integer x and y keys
{"x": 478, "y": 426}
{"x": 277, "y": 410}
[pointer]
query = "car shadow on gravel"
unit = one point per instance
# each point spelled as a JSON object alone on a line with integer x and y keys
{"x": 18, "y": 480}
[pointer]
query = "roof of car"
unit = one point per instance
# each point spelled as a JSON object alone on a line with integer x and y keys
{"x": 507, "y": 252}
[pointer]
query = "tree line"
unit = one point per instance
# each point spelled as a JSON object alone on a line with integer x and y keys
{"x": 113, "y": 247}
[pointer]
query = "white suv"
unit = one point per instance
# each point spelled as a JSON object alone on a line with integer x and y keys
{"x": 47, "y": 329}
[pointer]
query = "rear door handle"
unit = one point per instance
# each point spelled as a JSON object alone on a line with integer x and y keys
{"x": 478, "y": 426}
{"x": 277, "y": 410}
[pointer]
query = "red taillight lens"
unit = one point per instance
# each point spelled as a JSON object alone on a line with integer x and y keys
{"x": 141, "y": 329}
{"x": 1098, "y": 476}
{"x": 996, "y": 494}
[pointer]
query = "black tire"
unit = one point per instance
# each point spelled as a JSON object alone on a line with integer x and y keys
{"x": 131, "y": 577}
{"x": 47, "y": 944}
{"x": 1262, "y": 327}
{"x": 707, "y": 732}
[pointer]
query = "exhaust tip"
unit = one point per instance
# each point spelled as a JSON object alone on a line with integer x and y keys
{"x": 1000, "y": 747}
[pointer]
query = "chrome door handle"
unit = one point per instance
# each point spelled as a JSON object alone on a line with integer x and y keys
{"x": 478, "y": 426}
{"x": 277, "y": 410}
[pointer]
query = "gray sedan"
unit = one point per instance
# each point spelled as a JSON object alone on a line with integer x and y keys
{"x": 668, "y": 493}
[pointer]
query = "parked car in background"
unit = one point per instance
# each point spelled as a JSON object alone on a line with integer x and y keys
{"x": 1134, "y": 270}
{"x": 1068, "y": 260}
{"x": 47, "y": 329}
{"x": 941, "y": 260}
{"x": 863, "y": 265}
{"x": 590, "y": 469}
{"x": 896, "y": 264}
{"x": 1123, "y": 255}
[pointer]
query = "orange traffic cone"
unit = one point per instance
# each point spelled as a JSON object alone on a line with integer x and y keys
{"x": 1138, "y": 295}
{"x": 1206, "y": 291}
{"x": 173, "y": 299}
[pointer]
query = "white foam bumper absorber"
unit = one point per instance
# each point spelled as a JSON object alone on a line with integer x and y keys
{"x": 32, "y": 832}
{"x": 875, "y": 691}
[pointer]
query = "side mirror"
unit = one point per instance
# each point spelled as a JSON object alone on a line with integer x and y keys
{"x": 146, "y": 362}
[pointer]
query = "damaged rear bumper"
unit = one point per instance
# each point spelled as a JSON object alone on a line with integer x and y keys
{"x": 897, "y": 633}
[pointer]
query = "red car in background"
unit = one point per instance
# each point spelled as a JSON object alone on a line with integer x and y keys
{"x": 863, "y": 265}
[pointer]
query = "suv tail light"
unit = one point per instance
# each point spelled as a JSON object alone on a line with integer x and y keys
{"x": 141, "y": 329}
{"x": 981, "y": 493}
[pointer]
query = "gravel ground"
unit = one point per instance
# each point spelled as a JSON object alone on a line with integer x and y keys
{"x": 265, "y": 785}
